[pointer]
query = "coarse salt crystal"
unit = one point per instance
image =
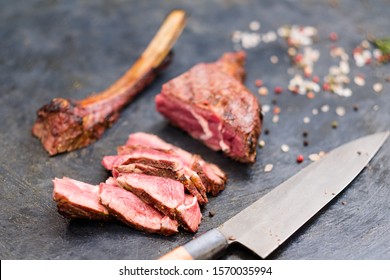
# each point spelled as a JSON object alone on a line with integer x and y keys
{"x": 314, "y": 157}
{"x": 340, "y": 111}
{"x": 261, "y": 143}
{"x": 283, "y": 31}
{"x": 314, "y": 111}
{"x": 347, "y": 92}
{"x": 365, "y": 44}
{"x": 292, "y": 51}
{"x": 236, "y": 36}
{"x": 344, "y": 67}
{"x": 359, "y": 80}
{"x": 263, "y": 91}
{"x": 306, "y": 119}
{"x": 265, "y": 108}
{"x": 359, "y": 59}
{"x": 325, "y": 108}
{"x": 268, "y": 167}
{"x": 377, "y": 87}
{"x": 285, "y": 148}
{"x": 269, "y": 37}
{"x": 250, "y": 40}
{"x": 274, "y": 59}
{"x": 254, "y": 25}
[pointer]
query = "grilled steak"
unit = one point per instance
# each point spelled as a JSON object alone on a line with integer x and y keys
{"x": 166, "y": 195}
{"x": 77, "y": 199}
{"x": 131, "y": 210}
{"x": 64, "y": 125}
{"x": 213, "y": 178}
{"x": 210, "y": 102}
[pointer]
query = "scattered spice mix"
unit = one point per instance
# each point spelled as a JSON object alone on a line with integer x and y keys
{"x": 303, "y": 57}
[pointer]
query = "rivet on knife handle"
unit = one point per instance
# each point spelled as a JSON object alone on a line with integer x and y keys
{"x": 64, "y": 125}
{"x": 207, "y": 246}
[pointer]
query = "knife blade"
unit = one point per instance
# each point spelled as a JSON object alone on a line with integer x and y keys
{"x": 271, "y": 220}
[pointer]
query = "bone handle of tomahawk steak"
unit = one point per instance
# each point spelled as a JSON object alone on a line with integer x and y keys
{"x": 64, "y": 125}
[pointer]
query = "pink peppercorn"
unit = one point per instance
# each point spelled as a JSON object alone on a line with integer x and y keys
{"x": 333, "y": 36}
{"x": 300, "y": 158}
{"x": 258, "y": 83}
{"x": 326, "y": 86}
{"x": 278, "y": 90}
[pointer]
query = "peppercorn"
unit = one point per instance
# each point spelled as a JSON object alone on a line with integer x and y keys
{"x": 300, "y": 158}
{"x": 333, "y": 36}
{"x": 278, "y": 90}
{"x": 258, "y": 83}
{"x": 326, "y": 86}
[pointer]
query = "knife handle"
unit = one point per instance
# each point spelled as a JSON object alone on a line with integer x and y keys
{"x": 206, "y": 246}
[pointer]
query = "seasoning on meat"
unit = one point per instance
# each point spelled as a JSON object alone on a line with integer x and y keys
{"x": 210, "y": 102}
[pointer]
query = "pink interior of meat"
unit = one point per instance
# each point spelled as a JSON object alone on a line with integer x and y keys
{"x": 153, "y": 141}
{"x": 77, "y": 193}
{"x": 190, "y": 213}
{"x": 131, "y": 208}
{"x": 167, "y": 191}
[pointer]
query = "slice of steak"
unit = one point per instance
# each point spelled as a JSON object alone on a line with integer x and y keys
{"x": 210, "y": 174}
{"x": 189, "y": 213}
{"x": 212, "y": 177}
{"x": 188, "y": 178}
{"x": 166, "y": 195}
{"x": 157, "y": 163}
{"x": 210, "y": 102}
{"x": 131, "y": 210}
{"x": 143, "y": 169}
{"x": 76, "y": 199}
{"x": 144, "y": 155}
{"x": 153, "y": 141}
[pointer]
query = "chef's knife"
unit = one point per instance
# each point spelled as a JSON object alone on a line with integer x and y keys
{"x": 269, "y": 221}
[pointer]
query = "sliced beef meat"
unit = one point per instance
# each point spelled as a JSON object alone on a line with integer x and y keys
{"x": 131, "y": 210}
{"x": 166, "y": 195}
{"x": 187, "y": 177}
{"x": 149, "y": 156}
{"x": 212, "y": 177}
{"x": 143, "y": 169}
{"x": 77, "y": 199}
{"x": 157, "y": 163}
{"x": 211, "y": 103}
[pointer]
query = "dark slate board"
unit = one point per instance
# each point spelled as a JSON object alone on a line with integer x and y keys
{"x": 72, "y": 48}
